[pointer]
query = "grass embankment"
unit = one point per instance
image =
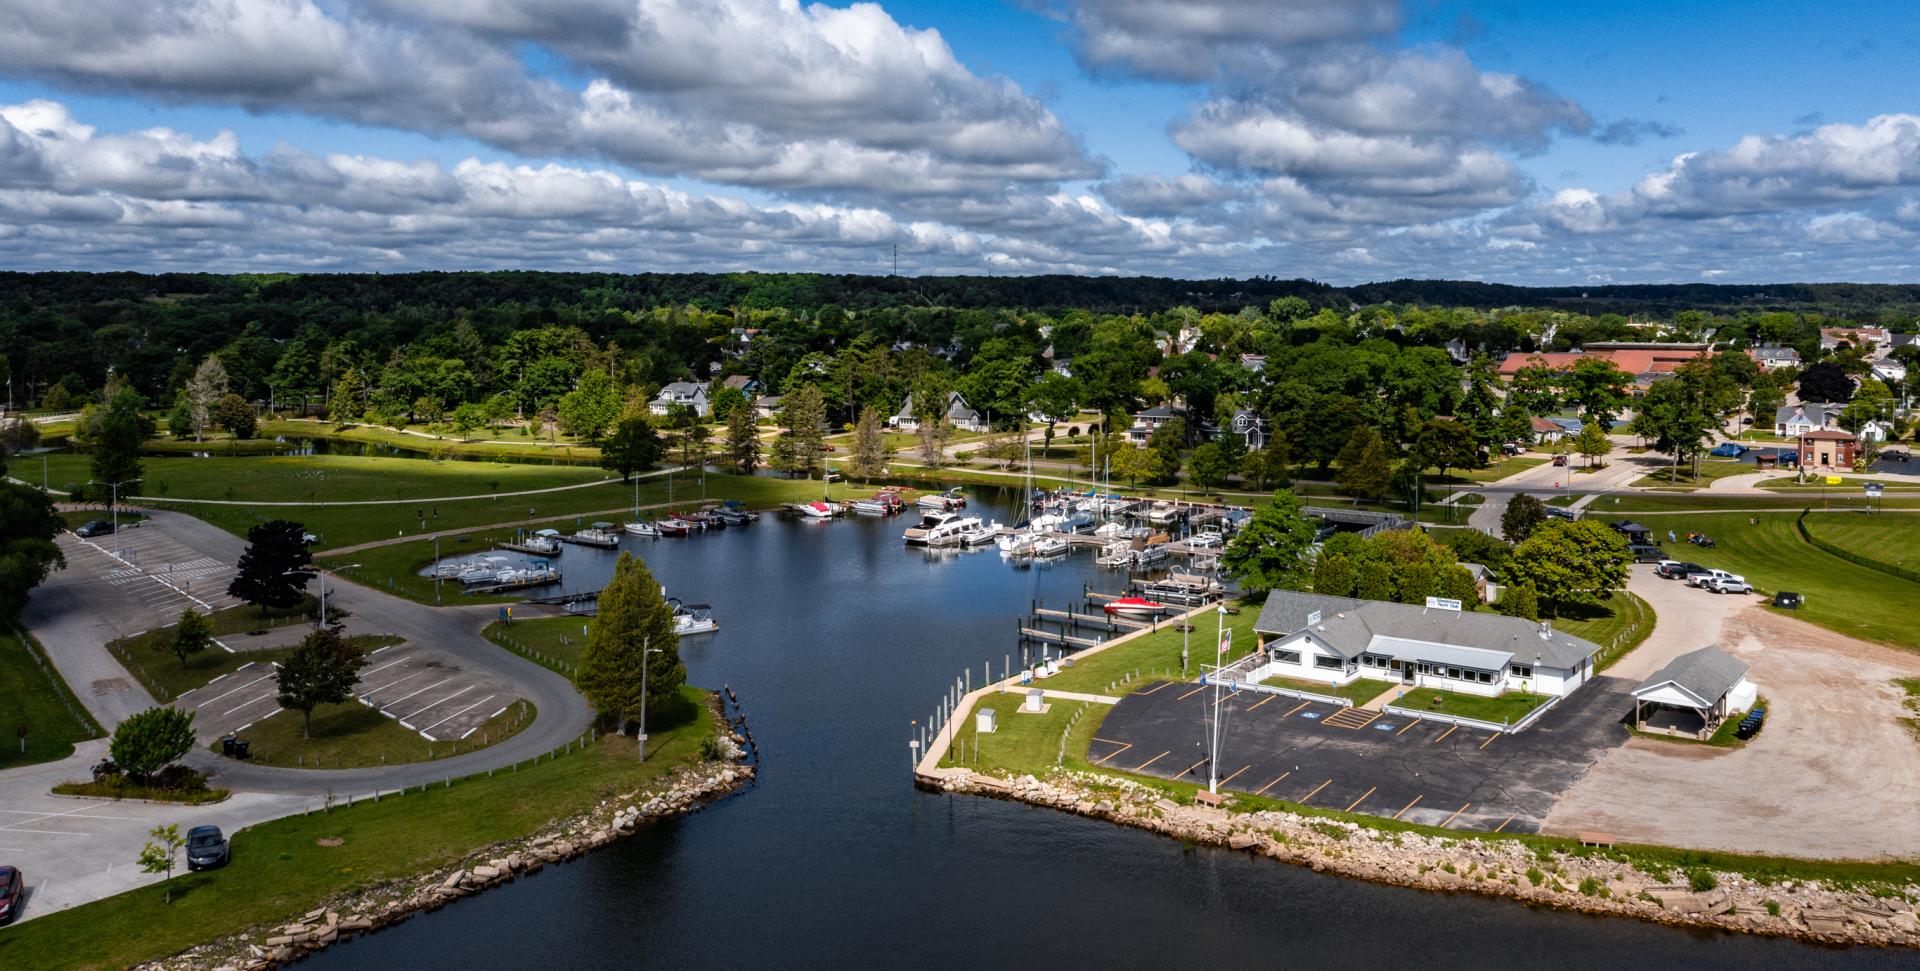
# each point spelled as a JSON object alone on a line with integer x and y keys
{"x": 34, "y": 697}
{"x": 1912, "y": 687}
{"x": 1855, "y": 600}
{"x": 1031, "y": 744}
{"x": 1356, "y": 693}
{"x": 1502, "y": 709}
{"x": 280, "y": 870}
{"x": 1155, "y": 655}
{"x": 1888, "y": 540}
{"x": 555, "y": 643}
{"x": 505, "y": 444}
{"x": 1646, "y": 502}
{"x": 1506, "y": 466}
{"x": 353, "y": 735}
{"x": 1618, "y": 627}
{"x": 146, "y": 655}
{"x": 1710, "y": 469}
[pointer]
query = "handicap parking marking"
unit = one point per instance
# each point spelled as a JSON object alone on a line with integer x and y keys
{"x": 1316, "y": 791}
{"x": 1403, "y": 809}
{"x": 1297, "y": 708}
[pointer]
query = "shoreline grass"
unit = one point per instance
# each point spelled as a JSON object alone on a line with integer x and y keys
{"x": 33, "y": 696}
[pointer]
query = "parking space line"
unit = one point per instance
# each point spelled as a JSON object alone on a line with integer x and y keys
{"x": 1409, "y": 727}
{"x": 410, "y": 677}
{"x": 1450, "y": 730}
{"x": 1191, "y": 693}
{"x": 1456, "y": 815}
{"x": 431, "y": 705}
{"x": 1123, "y": 746}
{"x": 1142, "y": 766}
{"x": 1298, "y": 707}
{"x": 1192, "y": 767}
{"x": 383, "y": 667}
{"x": 1263, "y": 789}
{"x": 1315, "y": 792}
{"x": 247, "y": 704}
{"x": 1403, "y": 809}
{"x": 209, "y": 701}
{"x": 456, "y": 714}
{"x": 1263, "y": 701}
{"x": 1363, "y": 798}
{"x": 1153, "y": 689}
{"x": 1489, "y": 740}
{"x": 1236, "y": 773}
{"x": 1504, "y": 822}
{"x": 410, "y": 694}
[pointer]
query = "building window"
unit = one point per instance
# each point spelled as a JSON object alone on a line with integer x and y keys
{"x": 1486, "y": 677}
{"x": 1453, "y": 673}
{"x": 1287, "y": 657}
{"x": 1329, "y": 663}
{"x": 1522, "y": 670}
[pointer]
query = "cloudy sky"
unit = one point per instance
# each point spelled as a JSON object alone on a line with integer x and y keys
{"x": 1345, "y": 140}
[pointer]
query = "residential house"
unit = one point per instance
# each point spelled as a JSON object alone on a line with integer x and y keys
{"x": 1145, "y": 423}
{"x": 1827, "y": 448}
{"x": 1793, "y": 421}
{"x": 742, "y": 383}
{"x": 1251, "y": 428}
{"x": 1693, "y": 694}
{"x": 768, "y": 405}
{"x": 1256, "y": 363}
{"x": 1890, "y": 371}
{"x": 688, "y": 393}
{"x": 1876, "y": 340}
{"x": 1774, "y": 358}
{"x": 1546, "y": 431}
{"x": 1339, "y": 640}
{"x": 959, "y": 413}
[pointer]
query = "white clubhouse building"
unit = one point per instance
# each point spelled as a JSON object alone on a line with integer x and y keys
{"x": 1338, "y": 640}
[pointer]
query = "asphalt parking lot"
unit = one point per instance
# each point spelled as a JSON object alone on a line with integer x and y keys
{"x": 1325, "y": 756}
{"x": 147, "y": 567}
{"x": 427, "y": 691}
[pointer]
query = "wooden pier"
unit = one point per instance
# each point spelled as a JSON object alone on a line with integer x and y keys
{"x": 1100, "y": 621}
{"x": 1064, "y": 640}
{"x": 546, "y": 579}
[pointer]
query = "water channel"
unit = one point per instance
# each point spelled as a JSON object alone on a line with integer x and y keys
{"x": 835, "y": 636}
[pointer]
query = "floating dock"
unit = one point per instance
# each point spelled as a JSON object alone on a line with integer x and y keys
{"x": 545, "y": 579}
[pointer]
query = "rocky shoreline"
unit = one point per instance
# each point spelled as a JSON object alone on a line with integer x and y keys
{"x": 1807, "y": 910}
{"x": 342, "y": 918}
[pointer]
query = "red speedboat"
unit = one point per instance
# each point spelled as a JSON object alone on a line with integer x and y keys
{"x": 1137, "y": 607}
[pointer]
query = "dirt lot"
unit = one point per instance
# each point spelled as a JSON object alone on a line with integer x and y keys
{"x": 1834, "y": 774}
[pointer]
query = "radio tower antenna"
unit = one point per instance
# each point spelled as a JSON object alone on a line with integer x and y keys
{"x": 896, "y": 259}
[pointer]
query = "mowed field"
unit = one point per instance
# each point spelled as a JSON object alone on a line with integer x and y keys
{"x": 1840, "y": 595}
{"x": 327, "y": 478}
{"x": 1891, "y": 539}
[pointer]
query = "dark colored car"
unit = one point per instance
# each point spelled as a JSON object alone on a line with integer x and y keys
{"x": 1728, "y": 450}
{"x": 1644, "y": 553}
{"x": 1676, "y": 569}
{"x": 206, "y": 848}
{"x": 96, "y": 527}
{"x": 1787, "y": 599}
{"x": 12, "y": 885}
{"x": 1559, "y": 460}
{"x": 1559, "y": 512}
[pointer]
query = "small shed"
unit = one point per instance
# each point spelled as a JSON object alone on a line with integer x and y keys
{"x": 985, "y": 721}
{"x": 1036, "y": 700}
{"x": 1693, "y": 694}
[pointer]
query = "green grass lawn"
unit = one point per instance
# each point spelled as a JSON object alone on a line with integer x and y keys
{"x": 1849, "y": 487}
{"x": 1506, "y": 466}
{"x": 1841, "y": 595}
{"x": 146, "y": 657}
{"x": 1710, "y": 469}
{"x": 495, "y": 443}
{"x": 280, "y": 870}
{"x": 1500, "y": 709}
{"x": 1893, "y": 539}
{"x": 556, "y": 642}
{"x": 33, "y": 696}
{"x": 352, "y": 735}
{"x": 1154, "y": 655}
{"x": 1024, "y": 743}
{"x": 1357, "y": 692}
{"x": 1618, "y": 627}
{"x": 1688, "y": 502}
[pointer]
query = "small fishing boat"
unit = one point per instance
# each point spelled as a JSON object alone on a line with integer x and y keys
{"x": 879, "y": 504}
{"x": 984, "y": 535}
{"x": 693, "y": 619}
{"x": 671, "y": 527}
{"x": 816, "y": 509}
{"x": 950, "y": 499}
{"x": 545, "y": 542}
{"x": 1136, "y": 607}
{"x": 643, "y": 528}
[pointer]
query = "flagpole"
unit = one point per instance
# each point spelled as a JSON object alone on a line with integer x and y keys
{"x": 1213, "y": 757}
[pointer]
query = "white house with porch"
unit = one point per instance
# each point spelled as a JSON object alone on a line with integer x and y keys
{"x": 687, "y": 394}
{"x": 959, "y": 413}
{"x": 1339, "y": 640}
{"x": 1694, "y": 694}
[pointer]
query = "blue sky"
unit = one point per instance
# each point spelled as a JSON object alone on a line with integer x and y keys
{"x": 1540, "y": 142}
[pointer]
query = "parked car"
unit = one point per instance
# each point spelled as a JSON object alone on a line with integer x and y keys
{"x": 1729, "y": 450}
{"x": 1643, "y": 553}
{"x": 1787, "y": 600}
{"x": 1559, "y": 460}
{"x": 1729, "y": 584}
{"x": 1559, "y": 512}
{"x": 94, "y": 527}
{"x": 13, "y": 884}
{"x": 1512, "y": 448}
{"x": 1675, "y": 569}
{"x": 206, "y": 848}
{"x": 1704, "y": 577}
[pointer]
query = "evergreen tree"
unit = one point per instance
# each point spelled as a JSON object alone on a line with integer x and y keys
{"x": 870, "y": 451}
{"x": 743, "y": 441}
{"x": 347, "y": 401}
{"x": 148, "y": 741}
{"x": 193, "y": 635}
{"x": 1365, "y": 470}
{"x": 115, "y": 433}
{"x": 804, "y": 415}
{"x": 275, "y": 568}
{"x": 633, "y": 620}
{"x": 322, "y": 670}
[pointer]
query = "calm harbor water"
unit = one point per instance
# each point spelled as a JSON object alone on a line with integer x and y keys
{"x": 835, "y": 636}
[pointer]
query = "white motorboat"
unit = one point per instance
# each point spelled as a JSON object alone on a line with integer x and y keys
{"x": 598, "y": 534}
{"x": 1015, "y": 542}
{"x": 1162, "y": 513}
{"x": 643, "y": 528}
{"x": 693, "y": 619}
{"x": 916, "y": 534}
{"x": 953, "y": 532}
{"x": 1118, "y": 553}
{"x": 950, "y": 499}
{"x": 1049, "y": 545}
{"x": 1051, "y": 522}
{"x": 545, "y": 542}
{"x": 487, "y": 569}
{"x": 816, "y": 509}
{"x": 980, "y": 535}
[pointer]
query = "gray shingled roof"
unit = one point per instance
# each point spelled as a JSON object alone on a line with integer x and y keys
{"x": 1707, "y": 674}
{"x": 1349, "y": 626}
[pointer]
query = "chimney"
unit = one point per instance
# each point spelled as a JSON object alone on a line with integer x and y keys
{"x": 1546, "y": 630}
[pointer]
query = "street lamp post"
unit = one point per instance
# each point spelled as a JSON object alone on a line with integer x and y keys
{"x": 113, "y": 492}
{"x": 641, "y": 736}
{"x": 323, "y": 571}
{"x": 1213, "y": 755}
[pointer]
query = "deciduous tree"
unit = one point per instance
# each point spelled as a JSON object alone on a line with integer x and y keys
{"x": 148, "y": 741}
{"x": 1271, "y": 552}
{"x": 1523, "y": 515}
{"x": 193, "y": 635}
{"x": 1570, "y": 563}
{"x": 633, "y": 447}
{"x": 276, "y": 566}
{"x": 1365, "y": 470}
{"x": 322, "y": 670}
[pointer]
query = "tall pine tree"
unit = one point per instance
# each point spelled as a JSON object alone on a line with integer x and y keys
{"x": 632, "y": 621}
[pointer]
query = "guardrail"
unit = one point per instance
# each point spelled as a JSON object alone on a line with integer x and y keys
{"x": 1274, "y": 689}
{"x": 1480, "y": 723}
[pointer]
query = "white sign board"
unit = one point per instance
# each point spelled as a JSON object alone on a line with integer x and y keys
{"x": 1875, "y": 490}
{"x": 1443, "y": 603}
{"x": 1313, "y": 618}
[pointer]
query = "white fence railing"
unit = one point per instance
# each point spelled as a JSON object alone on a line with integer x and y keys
{"x": 1479, "y": 723}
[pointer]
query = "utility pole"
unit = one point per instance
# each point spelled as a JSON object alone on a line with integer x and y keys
{"x": 1213, "y": 754}
{"x": 436, "y": 571}
{"x": 640, "y": 739}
